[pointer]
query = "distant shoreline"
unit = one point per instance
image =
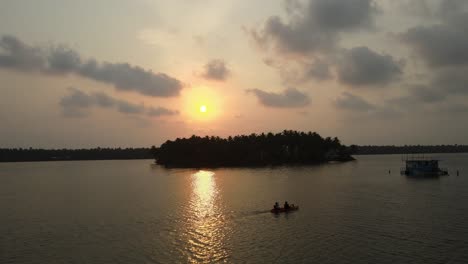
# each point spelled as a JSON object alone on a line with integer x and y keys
{"x": 409, "y": 154}
{"x": 44, "y": 155}
{"x": 408, "y": 150}
{"x": 54, "y": 160}
{"x": 211, "y": 167}
{"x": 40, "y": 155}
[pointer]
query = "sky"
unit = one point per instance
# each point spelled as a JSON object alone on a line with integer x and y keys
{"x": 115, "y": 73}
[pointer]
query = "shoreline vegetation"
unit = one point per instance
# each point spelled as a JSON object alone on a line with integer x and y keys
{"x": 30, "y": 154}
{"x": 255, "y": 150}
{"x": 286, "y": 148}
{"x": 408, "y": 149}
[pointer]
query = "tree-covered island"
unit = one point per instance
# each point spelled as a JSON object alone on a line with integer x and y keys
{"x": 288, "y": 147}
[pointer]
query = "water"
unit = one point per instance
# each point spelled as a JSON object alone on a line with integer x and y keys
{"x": 132, "y": 212}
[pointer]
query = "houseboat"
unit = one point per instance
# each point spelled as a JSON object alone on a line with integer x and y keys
{"x": 422, "y": 167}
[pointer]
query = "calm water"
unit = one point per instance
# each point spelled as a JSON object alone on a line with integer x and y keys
{"x": 132, "y": 212}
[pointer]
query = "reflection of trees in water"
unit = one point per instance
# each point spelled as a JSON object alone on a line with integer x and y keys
{"x": 205, "y": 226}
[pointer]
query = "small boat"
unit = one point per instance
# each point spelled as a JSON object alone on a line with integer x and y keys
{"x": 283, "y": 210}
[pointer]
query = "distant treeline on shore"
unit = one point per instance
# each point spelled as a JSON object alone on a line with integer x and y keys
{"x": 293, "y": 147}
{"x": 30, "y": 154}
{"x": 411, "y": 149}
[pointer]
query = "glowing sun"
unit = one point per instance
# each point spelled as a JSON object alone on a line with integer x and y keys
{"x": 202, "y": 104}
{"x": 203, "y": 109}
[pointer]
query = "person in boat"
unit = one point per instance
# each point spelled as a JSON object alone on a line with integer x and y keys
{"x": 286, "y": 206}
{"x": 276, "y": 206}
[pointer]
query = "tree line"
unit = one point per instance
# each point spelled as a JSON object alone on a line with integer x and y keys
{"x": 408, "y": 149}
{"x": 287, "y": 147}
{"x": 31, "y": 154}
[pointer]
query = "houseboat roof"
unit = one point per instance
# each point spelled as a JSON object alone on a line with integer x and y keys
{"x": 418, "y": 158}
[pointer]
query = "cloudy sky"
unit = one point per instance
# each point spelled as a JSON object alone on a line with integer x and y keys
{"x": 136, "y": 73}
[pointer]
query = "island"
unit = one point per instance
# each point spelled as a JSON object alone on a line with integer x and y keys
{"x": 286, "y": 148}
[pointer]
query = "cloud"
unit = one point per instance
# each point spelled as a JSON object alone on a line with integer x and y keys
{"x": 352, "y": 102}
{"x": 441, "y": 44}
{"x": 294, "y": 73}
{"x": 428, "y": 9}
{"x": 77, "y": 99}
{"x": 289, "y": 98}
{"x": 317, "y": 70}
{"x": 130, "y": 108}
{"x": 292, "y": 6}
{"x": 315, "y": 26}
{"x": 339, "y": 15}
{"x": 16, "y": 55}
{"x": 444, "y": 86}
{"x": 78, "y": 103}
{"x": 298, "y": 38}
{"x": 288, "y": 73}
{"x": 131, "y": 78}
{"x": 103, "y": 100}
{"x": 454, "y": 109}
{"x": 308, "y": 38}
{"x": 387, "y": 112}
{"x": 414, "y": 8}
{"x": 160, "y": 111}
{"x": 448, "y": 8}
{"x": 452, "y": 81}
{"x": 361, "y": 66}
{"x": 62, "y": 60}
{"x": 426, "y": 94}
{"x": 444, "y": 48}
{"x": 216, "y": 70}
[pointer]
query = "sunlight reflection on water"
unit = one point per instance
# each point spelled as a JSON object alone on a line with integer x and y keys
{"x": 204, "y": 193}
{"x": 205, "y": 225}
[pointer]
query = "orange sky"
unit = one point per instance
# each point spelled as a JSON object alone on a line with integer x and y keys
{"x": 135, "y": 73}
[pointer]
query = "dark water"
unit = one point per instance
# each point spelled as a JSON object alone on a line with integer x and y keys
{"x": 131, "y": 212}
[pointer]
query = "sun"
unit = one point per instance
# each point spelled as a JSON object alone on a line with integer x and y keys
{"x": 202, "y": 104}
{"x": 203, "y": 108}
